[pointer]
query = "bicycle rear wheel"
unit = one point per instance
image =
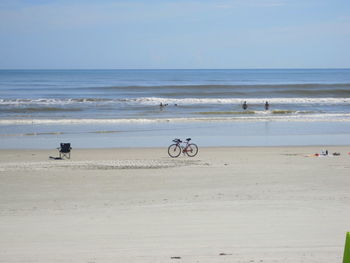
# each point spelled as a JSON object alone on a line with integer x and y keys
{"x": 174, "y": 150}
{"x": 192, "y": 150}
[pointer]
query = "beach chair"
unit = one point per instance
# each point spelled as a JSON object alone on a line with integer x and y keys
{"x": 64, "y": 150}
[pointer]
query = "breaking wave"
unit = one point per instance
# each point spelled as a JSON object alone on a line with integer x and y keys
{"x": 278, "y": 116}
{"x": 179, "y": 101}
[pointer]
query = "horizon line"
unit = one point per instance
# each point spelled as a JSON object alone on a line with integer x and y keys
{"x": 272, "y": 68}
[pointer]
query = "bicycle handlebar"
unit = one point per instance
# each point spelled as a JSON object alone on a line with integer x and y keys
{"x": 179, "y": 141}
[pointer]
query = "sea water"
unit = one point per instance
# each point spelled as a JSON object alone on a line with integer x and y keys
{"x": 131, "y": 108}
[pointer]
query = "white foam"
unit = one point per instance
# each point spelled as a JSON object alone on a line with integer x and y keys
{"x": 185, "y": 101}
{"x": 330, "y": 117}
{"x": 47, "y": 101}
{"x": 179, "y": 101}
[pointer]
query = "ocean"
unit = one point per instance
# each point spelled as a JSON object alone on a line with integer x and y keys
{"x": 149, "y": 108}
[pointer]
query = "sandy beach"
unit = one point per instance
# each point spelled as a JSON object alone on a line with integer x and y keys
{"x": 234, "y": 204}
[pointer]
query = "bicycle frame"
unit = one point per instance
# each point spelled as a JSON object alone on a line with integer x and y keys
{"x": 183, "y": 145}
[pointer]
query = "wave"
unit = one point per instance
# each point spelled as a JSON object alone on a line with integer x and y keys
{"x": 283, "y": 111}
{"x": 178, "y": 101}
{"x": 39, "y": 109}
{"x": 329, "y": 117}
{"x": 46, "y": 101}
{"x": 190, "y": 101}
{"x": 229, "y": 86}
{"x": 280, "y": 112}
{"x": 317, "y": 92}
{"x": 55, "y": 133}
{"x": 269, "y": 90}
{"x": 226, "y": 112}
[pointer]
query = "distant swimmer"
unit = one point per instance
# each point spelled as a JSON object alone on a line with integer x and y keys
{"x": 244, "y": 105}
{"x": 162, "y": 105}
{"x": 267, "y": 105}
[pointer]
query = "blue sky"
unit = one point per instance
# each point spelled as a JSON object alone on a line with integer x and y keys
{"x": 60, "y": 34}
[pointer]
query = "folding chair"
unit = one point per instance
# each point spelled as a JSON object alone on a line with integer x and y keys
{"x": 64, "y": 150}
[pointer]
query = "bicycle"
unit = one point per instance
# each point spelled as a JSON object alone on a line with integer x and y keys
{"x": 174, "y": 150}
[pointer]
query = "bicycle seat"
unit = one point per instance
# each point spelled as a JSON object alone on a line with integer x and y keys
{"x": 188, "y": 139}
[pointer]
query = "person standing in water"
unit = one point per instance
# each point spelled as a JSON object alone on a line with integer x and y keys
{"x": 244, "y": 105}
{"x": 161, "y": 106}
{"x": 267, "y": 105}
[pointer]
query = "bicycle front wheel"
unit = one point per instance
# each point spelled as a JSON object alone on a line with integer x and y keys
{"x": 192, "y": 150}
{"x": 174, "y": 150}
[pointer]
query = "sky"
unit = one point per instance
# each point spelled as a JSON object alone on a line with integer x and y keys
{"x": 174, "y": 34}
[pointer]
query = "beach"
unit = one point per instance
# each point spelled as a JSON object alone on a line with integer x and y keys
{"x": 227, "y": 204}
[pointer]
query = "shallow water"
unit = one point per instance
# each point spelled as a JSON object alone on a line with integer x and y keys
{"x": 161, "y": 134}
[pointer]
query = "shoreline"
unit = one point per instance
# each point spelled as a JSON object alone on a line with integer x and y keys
{"x": 277, "y": 115}
{"x": 135, "y": 149}
{"x": 161, "y": 134}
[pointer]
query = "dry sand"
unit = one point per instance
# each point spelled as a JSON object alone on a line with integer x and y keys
{"x": 273, "y": 204}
